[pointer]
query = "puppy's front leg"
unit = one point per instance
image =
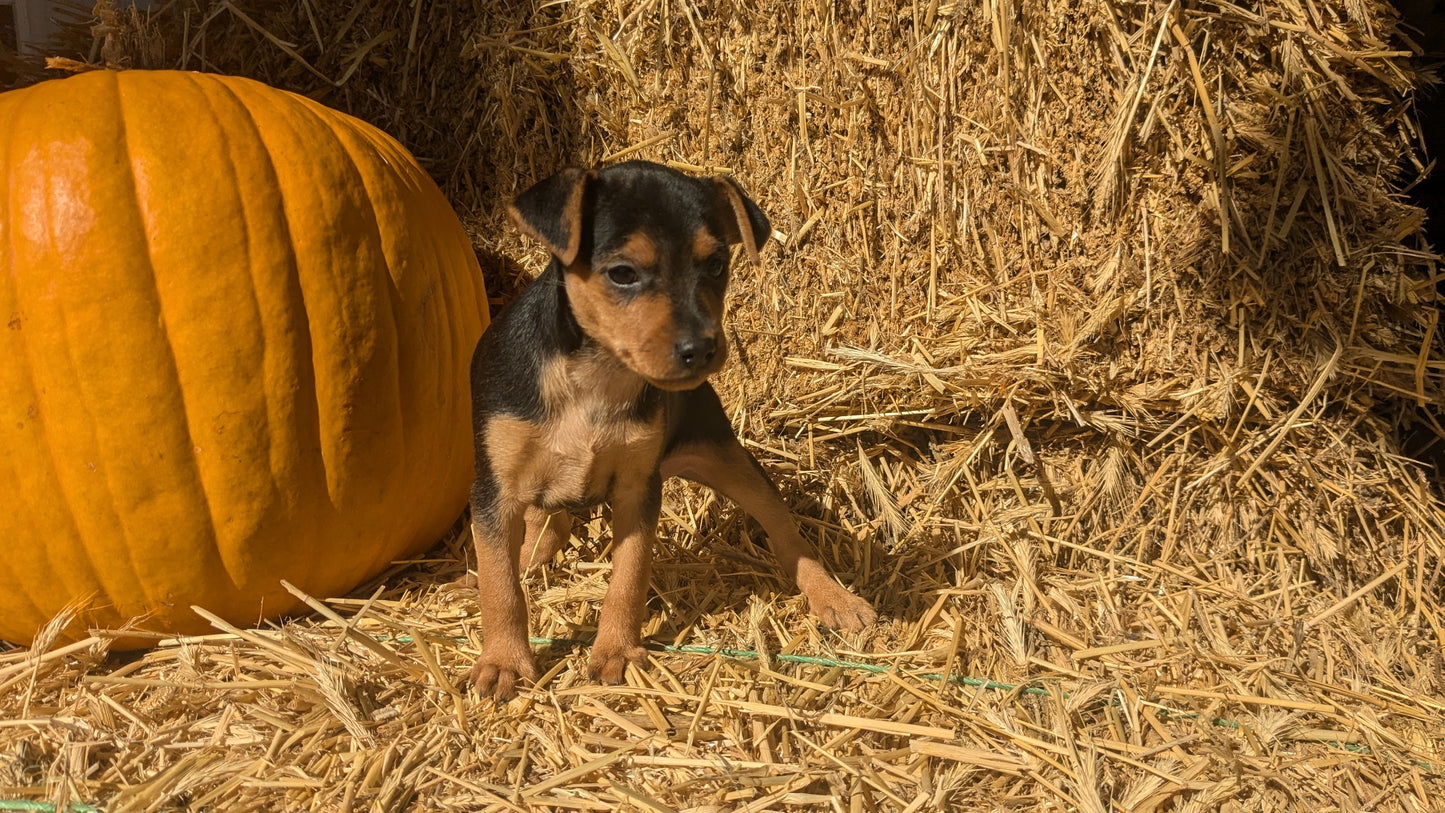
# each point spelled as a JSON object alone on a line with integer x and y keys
{"x": 497, "y": 535}
{"x": 709, "y": 453}
{"x": 619, "y": 630}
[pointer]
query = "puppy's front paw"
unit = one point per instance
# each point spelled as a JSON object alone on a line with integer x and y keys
{"x": 839, "y": 609}
{"x": 609, "y": 660}
{"x": 497, "y": 670}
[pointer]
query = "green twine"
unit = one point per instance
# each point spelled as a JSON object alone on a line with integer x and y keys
{"x": 749, "y": 655}
{"x": 990, "y": 685}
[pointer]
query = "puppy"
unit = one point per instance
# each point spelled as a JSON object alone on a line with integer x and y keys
{"x": 591, "y": 387}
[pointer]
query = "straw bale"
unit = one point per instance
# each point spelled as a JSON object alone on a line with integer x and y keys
{"x": 1085, "y": 350}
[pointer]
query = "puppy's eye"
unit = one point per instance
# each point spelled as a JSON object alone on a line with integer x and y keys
{"x": 622, "y": 275}
{"x": 717, "y": 268}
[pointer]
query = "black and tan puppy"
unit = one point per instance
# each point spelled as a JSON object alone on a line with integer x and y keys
{"x": 590, "y": 387}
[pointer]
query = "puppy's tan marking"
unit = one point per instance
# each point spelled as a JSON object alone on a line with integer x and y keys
{"x": 638, "y": 249}
{"x": 704, "y": 244}
{"x": 641, "y": 332}
{"x": 586, "y": 442}
{"x": 644, "y": 334}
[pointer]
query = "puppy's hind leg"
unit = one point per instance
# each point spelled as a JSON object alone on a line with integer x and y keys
{"x": 547, "y": 532}
{"x": 709, "y": 453}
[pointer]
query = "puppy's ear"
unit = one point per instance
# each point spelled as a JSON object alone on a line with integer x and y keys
{"x": 554, "y": 211}
{"x": 743, "y": 221}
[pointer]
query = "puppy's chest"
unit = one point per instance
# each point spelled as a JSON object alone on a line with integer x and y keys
{"x": 584, "y": 455}
{"x": 589, "y": 447}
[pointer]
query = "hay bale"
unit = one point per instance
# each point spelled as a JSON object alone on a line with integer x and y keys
{"x": 1084, "y": 352}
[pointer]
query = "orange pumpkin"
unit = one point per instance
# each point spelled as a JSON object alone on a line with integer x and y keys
{"x": 235, "y": 328}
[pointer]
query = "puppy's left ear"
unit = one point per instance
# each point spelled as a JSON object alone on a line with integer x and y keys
{"x": 747, "y": 224}
{"x": 554, "y": 211}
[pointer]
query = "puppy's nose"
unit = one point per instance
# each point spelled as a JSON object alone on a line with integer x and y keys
{"x": 695, "y": 351}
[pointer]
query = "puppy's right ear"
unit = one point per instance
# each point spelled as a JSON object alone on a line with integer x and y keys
{"x": 553, "y": 212}
{"x": 748, "y": 225}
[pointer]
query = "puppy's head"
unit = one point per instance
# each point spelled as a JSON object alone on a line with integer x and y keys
{"x": 644, "y": 250}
